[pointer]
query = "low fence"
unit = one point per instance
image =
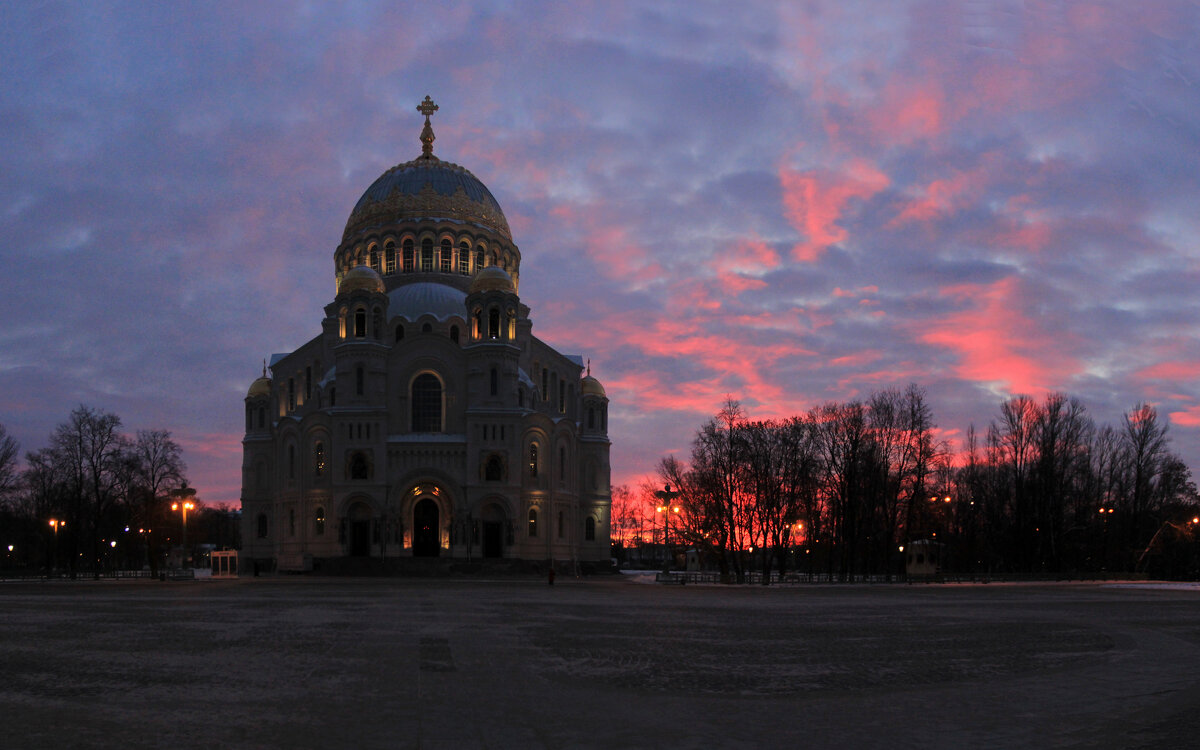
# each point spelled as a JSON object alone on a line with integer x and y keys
{"x": 756, "y": 577}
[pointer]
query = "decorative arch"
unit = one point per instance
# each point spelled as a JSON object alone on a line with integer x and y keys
{"x": 427, "y": 402}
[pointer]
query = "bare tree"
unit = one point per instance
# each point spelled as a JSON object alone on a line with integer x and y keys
{"x": 8, "y": 465}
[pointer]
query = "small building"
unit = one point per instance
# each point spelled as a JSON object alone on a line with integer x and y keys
{"x": 924, "y": 559}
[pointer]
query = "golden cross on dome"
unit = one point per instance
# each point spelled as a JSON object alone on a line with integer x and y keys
{"x": 427, "y": 108}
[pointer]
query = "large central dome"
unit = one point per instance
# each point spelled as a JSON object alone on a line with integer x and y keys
{"x": 427, "y": 220}
{"x": 427, "y": 188}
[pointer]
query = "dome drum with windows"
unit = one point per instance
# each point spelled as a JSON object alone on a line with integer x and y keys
{"x": 425, "y": 419}
{"x": 426, "y": 216}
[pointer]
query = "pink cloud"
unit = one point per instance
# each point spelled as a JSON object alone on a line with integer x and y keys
{"x": 815, "y": 200}
{"x": 996, "y": 342}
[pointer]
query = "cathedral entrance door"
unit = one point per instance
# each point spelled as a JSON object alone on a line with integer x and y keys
{"x": 492, "y": 535}
{"x": 360, "y": 530}
{"x": 493, "y": 530}
{"x": 426, "y": 529}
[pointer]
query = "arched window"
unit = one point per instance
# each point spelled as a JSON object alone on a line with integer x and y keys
{"x": 318, "y": 458}
{"x": 319, "y": 525}
{"x": 479, "y": 259}
{"x": 493, "y": 323}
{"x": 407, "y": 256}
{"x": 389, "y": 257}
{"x": 262, "y": 417}
{"x": 360, "y": 323}
{"x": 475, "y": 323}
{"x": 426, "y": 403}
{"x": 399, "y": 333}
{"x": 377, "y": 323}
{"x": 249, "y": 417}
{"x": 533, "y": 460}
{"x": 495, "y": 384}
{"x": 589, "y": 529}
{"x": 604, "y": 418}
{"x": 562, "y": 464}
{"x": 359, "y": 467}
{"x": 464, "y": 257}
{"x": 454, "y": 334}
{"x": 426, "y": 328}
{"x": 426, "y": 254}
{"x": 591, "y": 422}
{"x": 446, "y": 258}
{"x": 291, "y": 462}
{"x": 375, "y": 258}
{"x": 533, "y": 523}
{"x": 493, "y": 470}
{"x": 262, "y": 525}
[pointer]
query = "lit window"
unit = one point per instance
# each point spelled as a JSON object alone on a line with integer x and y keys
{"x": 407, "y": 256}
{"x": 427, "y": 255}
{"x": 533, "y": 523}
{"x": 319, "y": 526}
{"x": 446, "y": 258}
{"x": 464, "y": 258}
{"x": 533, "y": 460}
{"x": 389, "y": 258}
{"x": 319, "y": 458}
{"x": 493, "y": 323}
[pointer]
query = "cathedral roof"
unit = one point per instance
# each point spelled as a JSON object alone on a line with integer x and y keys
{"x": 361, "y": 277}
{"x": 490, "y": 279}
{"x": 442, "y": 301}
{"x": 424, "y": 189}
{"x": 589, "y": 386}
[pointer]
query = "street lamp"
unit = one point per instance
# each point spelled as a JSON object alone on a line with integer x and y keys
{"x": 55, "y": 524}
{"x": 183, "y": 504}
{"x": 667, "y": 496}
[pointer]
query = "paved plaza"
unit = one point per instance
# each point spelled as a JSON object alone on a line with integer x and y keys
{"x": 597, "y": 663}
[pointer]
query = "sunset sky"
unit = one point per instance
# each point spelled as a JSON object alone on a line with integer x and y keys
{"x": 788, "y": 203}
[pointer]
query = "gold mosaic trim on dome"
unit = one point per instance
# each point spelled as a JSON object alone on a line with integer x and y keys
{"x": 428, "y": 203}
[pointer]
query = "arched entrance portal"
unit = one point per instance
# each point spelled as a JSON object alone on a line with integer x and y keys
{"x": 360, "y": 530}
{"x": 493, "y": 530}
{"x": 426, "y": 529}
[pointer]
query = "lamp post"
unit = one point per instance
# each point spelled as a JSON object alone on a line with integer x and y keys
{"x": 667, "y": 497}
{"x": 183, "y": 503}
{"x": 55, "y": 524}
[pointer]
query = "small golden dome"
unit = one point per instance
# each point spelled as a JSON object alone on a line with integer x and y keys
{"x": 491, "y": 279}
{"x": 589, "y": 386}
{"x": 361, "y": 277}
{"x": 260, "y": 387}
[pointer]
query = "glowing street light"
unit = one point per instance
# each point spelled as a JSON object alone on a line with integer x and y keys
{"x": 56, "y": 525}
{"x": 666, "y": 507}
{"x": 183, "y": 504}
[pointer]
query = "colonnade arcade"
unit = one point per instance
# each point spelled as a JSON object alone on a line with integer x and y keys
{"x": 427, "y": 254}
{"x": 423, "y": 523}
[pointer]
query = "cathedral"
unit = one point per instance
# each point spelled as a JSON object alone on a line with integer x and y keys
{"x": 425, "y": 419}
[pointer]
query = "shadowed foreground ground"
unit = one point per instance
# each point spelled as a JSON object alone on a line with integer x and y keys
{"x": 402, "y": 663}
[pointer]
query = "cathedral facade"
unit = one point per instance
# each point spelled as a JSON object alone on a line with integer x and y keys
{"x": 425, "y": 419}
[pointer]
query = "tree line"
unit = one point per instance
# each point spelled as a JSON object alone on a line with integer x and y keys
{"x": 844, "y": 488}
{"x": 93, "y": 498}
